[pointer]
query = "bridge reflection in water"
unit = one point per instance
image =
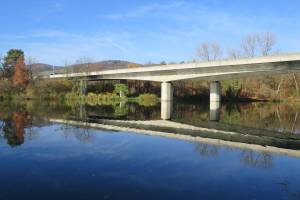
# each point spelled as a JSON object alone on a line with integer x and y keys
{"x": 258, "y": 126}
{"x": 207, "y": 132}
{"x": 167, "y": 110}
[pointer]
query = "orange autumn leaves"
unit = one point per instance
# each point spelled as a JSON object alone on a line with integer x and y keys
{"x": 21, "y": 76}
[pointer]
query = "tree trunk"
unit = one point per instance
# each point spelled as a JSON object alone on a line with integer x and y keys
{"x": 296, "y": 84}
{"x": 279, "y": 86}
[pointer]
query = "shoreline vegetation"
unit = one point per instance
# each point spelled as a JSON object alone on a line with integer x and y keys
{"x": 279, "y": 88}
{"x": 17, "y": 82}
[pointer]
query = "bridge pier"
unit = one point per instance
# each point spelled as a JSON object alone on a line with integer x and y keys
{"x": 215, "y": 91}
{"x": 166, "y": 100}
{"x": 215, "y": 100}
{"x": 214, "y": 110}
{"x": 166, "y": 110}
{"x": 166, "y": 91}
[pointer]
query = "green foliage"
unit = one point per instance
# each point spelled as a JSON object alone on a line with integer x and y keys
{"x": 6, "y": 89}
{"x": 121, "y": 89}
{"x": 92, "y": 99}
{"x": 148, "y": 100}
{"x": 109, "y": 99}
{"x": 10, "y": 61}
{"x": 121, "y": 109}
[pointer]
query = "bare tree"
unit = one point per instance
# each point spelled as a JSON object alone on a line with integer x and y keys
{"x": 209, "y": 51}
{"x": 250, "y": 45}
{"x": 267, "y": 42}
{"x": 233, "y": 53}
{"x": 30, "y": 62}
{"x": 85, "y": 61}
{"x": 66, "y": 66}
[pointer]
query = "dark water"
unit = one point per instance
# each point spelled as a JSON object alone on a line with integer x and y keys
{"x": 45, "y": 160}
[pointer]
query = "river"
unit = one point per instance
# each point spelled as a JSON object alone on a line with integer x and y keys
{"x": 127, "y": 151}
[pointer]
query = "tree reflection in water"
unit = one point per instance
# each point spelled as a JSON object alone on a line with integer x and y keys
{"x": 13, "y": 128}
{"x": 256, "y": 159}
{"x": 207, "y": 149}
{"x": 82, "y": 134}
{"x": 285, "y": 187}
{"x": 248, "y": 157}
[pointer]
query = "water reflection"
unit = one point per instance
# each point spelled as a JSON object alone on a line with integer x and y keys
{"x": 281, "y": 118}
{"x": 13, "y": 128}
{"x": 255, "y": 159}
{"x": 120, "y": 163}
{"x": 214, "y": 108}
{"x": 247, "y": 157}
{"x": 166, "y": 110}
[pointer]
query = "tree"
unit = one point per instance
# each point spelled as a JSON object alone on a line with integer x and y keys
{"x": 132, "y": 65}
{"x": 121, "y": 89}
{"x": 266, "y": 42}
{"x": 233, "y": 53}
{"x": 1, "y": 66}
{"x": 21, "y": 75}
{"x": 10, "y": 61}
{"x": 85, "y": 64}
{"x": 249, "y": 45}
{"x": 209, "y": 51}
{"x": 30, "y": 62}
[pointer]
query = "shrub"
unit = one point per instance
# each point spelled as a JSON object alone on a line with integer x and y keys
{"x": 92, "y": 99}
{"x": 148, "y": 100}
{"x": 121, "y": 89}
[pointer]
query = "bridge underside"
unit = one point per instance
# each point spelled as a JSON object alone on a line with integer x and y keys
{"x": 206, "y": 77}
{"x": 206, "y": 73}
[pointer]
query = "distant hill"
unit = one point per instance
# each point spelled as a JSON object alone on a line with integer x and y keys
{"x": 103, "y": 65}
{"x": 45, "y": 69}
{"x": 38, "y": 68}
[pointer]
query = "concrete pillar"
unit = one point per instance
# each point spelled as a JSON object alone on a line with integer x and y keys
{"x": 215, "y": 91}
{"x": 166, "y": 100}
{"x": 214, "y": 108}
{"x": 166, "y": 110}
{"x": 215, "y": 100}
{"x": 166, "y": 92}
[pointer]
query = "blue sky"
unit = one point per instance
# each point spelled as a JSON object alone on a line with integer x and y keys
{"x": 55, "y": 31}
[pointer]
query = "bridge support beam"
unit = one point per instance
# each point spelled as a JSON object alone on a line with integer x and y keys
{"x": 166, "y": 110}
{"x": 214, "y": 108}
{"x": 166, "y": 92}
{"x": 166, "y": 100}
{"x": 215, "y": 91}
{"x": 215, "y": 100}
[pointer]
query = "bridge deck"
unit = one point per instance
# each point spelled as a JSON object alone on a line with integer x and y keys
{"x": 216, "y": 70}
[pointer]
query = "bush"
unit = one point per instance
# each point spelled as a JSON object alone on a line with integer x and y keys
{"x": 121, "y": 89}
{"x": 92, "y": 99}
{"x": 108, "y": 99}
{"x": 148, "y": 100}
{"x": 6, "y": 89}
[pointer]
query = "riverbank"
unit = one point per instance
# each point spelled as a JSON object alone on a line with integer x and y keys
{"x": 232, "y": 91}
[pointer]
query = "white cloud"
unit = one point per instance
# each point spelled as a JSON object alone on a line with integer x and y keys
{"x": 56, "y": 46}
{"x": 143, "y": 10}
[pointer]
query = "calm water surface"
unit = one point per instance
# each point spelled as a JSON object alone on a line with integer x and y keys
{"x": 45, "y": 160}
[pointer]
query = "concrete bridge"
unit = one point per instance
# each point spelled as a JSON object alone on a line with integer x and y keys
{"x": 211, "y": 71}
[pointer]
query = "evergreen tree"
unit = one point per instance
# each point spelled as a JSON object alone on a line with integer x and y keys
{"x": 10, "y": 61}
